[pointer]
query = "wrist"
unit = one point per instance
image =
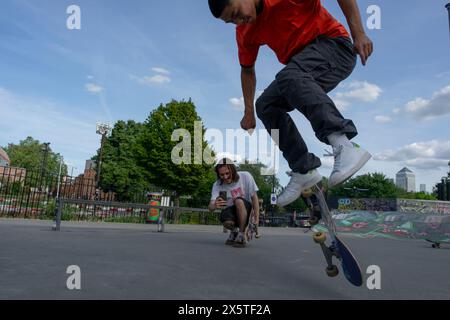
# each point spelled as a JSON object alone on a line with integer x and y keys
{"x": 358, "y": 34}
{"x": 249, "y": 111}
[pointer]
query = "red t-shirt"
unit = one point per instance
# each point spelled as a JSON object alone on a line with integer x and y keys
{"x": 287, "y": 27}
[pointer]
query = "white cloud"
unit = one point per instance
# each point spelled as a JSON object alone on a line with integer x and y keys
{"x": 432, "y": 154}
{"x": 423, "y": 109}
{"x": 383, "y": 119}
{"x": 161, "y": 70}
{"x": 93, "y": 88}
{"x": 89, "y": 77}
{"x": 427, "y": 164}
{"x": 357, "y": 91}
{"x": 158, "y": 79}
{"x": 238, "y": 103}
{"x": 147, "y": 80}
{"x": 396, "y": 110}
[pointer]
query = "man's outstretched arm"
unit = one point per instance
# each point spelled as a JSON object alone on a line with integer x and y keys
{"x": 363, "y": 45}
{"x": 248, "y": 80}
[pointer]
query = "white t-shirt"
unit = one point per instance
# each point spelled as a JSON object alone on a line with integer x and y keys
{"x": 245, "y": 188}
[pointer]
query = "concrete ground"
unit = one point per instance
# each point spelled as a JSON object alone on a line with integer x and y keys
{"x": 119, "y": 261}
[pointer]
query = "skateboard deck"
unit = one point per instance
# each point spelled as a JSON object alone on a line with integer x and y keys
{"x": 315, "y": 199}
{"x": 251, "y": 227}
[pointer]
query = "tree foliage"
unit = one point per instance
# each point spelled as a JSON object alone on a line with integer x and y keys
{"x": 120, "y": 172}
{"x": 378, "y": 186}
{"x": 35, "y": 156}
{"x": 155, "y": 146}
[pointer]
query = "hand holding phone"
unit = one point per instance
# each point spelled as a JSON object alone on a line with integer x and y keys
{"x": 221, "y": 201}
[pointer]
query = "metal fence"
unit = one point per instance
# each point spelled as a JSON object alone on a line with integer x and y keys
{"x": 89, "y": 210}
{"x": 32, "y": 194}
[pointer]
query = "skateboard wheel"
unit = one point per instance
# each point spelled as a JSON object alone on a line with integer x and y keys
{"x": 433, "y": 245}
{"x": 313, "y": 221}
{"x": 332, "y": 271}
{"x": 319, "y": 237}
{"x": 307, "y": 193}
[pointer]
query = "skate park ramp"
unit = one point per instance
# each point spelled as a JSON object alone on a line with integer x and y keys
{"x": 392, "y": 224}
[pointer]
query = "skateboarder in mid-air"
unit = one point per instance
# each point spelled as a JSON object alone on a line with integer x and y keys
{"x": 318, "y": 54}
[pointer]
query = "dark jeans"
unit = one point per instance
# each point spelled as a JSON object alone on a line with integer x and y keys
{"x": 303, "y": 84}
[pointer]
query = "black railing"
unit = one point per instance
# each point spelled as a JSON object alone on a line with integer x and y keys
{"x": 96, "y": 211}
{"x": 31, "y": 194}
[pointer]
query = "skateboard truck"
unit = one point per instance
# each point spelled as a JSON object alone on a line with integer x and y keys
{"x": 331, "y": 270}
{"x": 315, "y": 200}
{"x": 310, "y": 199}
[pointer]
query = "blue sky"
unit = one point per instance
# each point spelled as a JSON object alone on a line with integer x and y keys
{"x": 130, "y": 56}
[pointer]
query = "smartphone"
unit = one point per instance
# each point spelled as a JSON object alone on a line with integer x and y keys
{"x": 223, "y": 195}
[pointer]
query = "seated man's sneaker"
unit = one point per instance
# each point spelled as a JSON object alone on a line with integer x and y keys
{"x": 240, "y": 241}
{"x": 232, "y": 237}
{"x": 347, "y": 161}
{"x": 296, "y": 185}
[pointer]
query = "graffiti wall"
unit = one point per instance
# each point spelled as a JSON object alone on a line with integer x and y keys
{"x": 367, "y": 204}
{"x": 402, "y": 205}
{"x": 393, "y": 224}
{"x": 423, "y": 206}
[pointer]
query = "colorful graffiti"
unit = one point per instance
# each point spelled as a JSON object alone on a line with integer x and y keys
{"x": 393, "y": 224}
{"x": 367, "y": 204}
{"x": 423, "y": 206}
{"x": 402, "y": 205}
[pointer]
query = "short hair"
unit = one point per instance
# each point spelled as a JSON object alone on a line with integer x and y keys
{"x": 217, "y": 7}
{"x": 225, "y": 162}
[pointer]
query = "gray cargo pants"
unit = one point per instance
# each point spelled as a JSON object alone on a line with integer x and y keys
{"x": 303, "y": 84}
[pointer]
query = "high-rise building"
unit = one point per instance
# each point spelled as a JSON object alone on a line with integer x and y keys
{"x": 406, "y": 179}
{"x": 423, "y": 187}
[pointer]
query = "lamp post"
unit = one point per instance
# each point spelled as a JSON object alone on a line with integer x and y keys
{"x": 104, "y": 130}
{"x": 45, "y": 151}
{"x": 448, "y": 9}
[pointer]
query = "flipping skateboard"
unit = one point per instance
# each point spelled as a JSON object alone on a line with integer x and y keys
{"x": 318, "y": 207}
{"x": 250, "y": 231}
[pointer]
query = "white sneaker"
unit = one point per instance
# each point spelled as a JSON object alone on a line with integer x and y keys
{"x": 347, "y": 161}
{"x": 232, "y": 237}
{"x": 298, "y": 183}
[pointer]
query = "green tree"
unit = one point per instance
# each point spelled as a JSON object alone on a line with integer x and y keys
{"x": 155, "y": 149}
{"x": 120, "y": 172}
{"x": 416, "y": 195}
{"x": 377, "y": 185}
{"x": 34, "y": 156}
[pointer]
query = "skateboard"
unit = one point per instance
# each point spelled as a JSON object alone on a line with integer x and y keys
{"x": 436, "y": 243}
{"x": 318, "y": 208}
{"x": 250, "y": 231}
